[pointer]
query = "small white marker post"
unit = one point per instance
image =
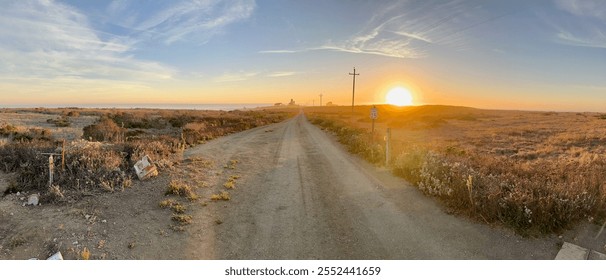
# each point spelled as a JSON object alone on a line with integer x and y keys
{"x": 51, "y": 167}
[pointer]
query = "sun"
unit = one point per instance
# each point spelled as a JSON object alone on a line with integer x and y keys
{"x": 399, "y": 96}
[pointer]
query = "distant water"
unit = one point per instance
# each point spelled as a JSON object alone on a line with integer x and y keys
{"x": 224, "y": 107}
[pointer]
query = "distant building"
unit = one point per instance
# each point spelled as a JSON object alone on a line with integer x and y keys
{"x": 279, "y": 104}
{"x": 291, "y": 103}
{"x": 330, "y": 104}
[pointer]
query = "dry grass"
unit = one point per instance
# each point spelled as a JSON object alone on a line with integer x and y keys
{"x": 181, "y": 189}
{"x": 124, "y": 136}
{"x": 85, "y": 254}
{"x": 231, "y": 182}
{"x": 537, "y": 172}
{"x": 220, "y": 196}
{"x": 182, "y": 219}
{"x": 167, "y": 203}
{"x": 178, "y": 208}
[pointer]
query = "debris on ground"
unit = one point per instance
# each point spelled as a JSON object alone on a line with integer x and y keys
{"x": 56, "y": 257}
{"x": 33, "y": 199}
{"x": 145, "y": 168}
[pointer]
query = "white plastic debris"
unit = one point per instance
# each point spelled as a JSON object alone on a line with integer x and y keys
{"x": 33, "y": 199}
{"x": 145, "y": 168}
{"x": 56, "y": 257}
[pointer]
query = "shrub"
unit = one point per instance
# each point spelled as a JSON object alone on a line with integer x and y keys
{"x": 105, "y": 130}
{"x": 62, "y": 121}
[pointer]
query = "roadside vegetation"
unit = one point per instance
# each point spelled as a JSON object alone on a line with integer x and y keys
{"x": 535, "y": 172}
{"x": 102, "y": 159}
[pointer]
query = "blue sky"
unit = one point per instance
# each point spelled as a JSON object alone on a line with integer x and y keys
{"x": 543, "y": 54}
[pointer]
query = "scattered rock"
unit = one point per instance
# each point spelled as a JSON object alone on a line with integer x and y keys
{"x": 75, "y": 243}
{"x": 33, "y": 199}
{"x": 87, "y": 216}
{"x": 104, "y": 221}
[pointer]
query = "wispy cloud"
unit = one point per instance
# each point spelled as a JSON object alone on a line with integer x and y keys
{"x": 53, "y": 41}
{"x": 583, "y": 24}
{"x": 235, "y": 77}
{"x": 281, "y": 74}
{"x": 50, "y": 45}
{"x": 405, "y": 29}
{"x": 585, "y": 8}
{"x": 592, "y": 39}
{"x": 184, "y": 20}
{"x": 279, "y": 51}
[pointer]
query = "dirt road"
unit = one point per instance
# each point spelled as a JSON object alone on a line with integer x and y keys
{"x": 301, "y": 196}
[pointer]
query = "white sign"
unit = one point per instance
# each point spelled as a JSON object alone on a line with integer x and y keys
{"x": 373, "y": 113}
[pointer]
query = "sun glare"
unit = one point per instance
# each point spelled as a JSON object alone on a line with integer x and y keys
{"x": 399, "y": 96}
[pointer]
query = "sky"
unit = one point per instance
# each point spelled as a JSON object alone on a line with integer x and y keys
{"x": 516, "y": 54}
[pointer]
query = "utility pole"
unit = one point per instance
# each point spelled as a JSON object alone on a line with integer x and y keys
{"x": 320, "y": 99}
{"x": 353, "y": 92}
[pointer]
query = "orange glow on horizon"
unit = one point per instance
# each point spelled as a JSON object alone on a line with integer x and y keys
{"x": 399, "y": 96}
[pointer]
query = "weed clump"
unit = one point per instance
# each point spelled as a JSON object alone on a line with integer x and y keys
{"x": 167, "y": 203}
{"x": 182, "y": 219}
{"x": 181, "y": 189}
{"x": 85, "y": 254}
{"x": 178, "y": 208}
{"x": 62, "y": 121}
{"x": 221, "y": 196}
{"x": 231, "y": 182}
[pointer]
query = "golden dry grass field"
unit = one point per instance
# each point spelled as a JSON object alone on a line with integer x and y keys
{"x": 537, "y": 172}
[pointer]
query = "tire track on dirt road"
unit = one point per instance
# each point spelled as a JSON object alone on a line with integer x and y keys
{"x": 304, "y": 197}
